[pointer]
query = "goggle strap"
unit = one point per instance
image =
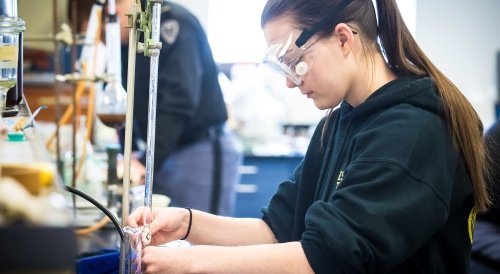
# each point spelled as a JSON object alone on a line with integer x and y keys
{"x": 308, "y": 33}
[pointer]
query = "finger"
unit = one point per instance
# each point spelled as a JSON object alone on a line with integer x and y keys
{"x": 132, "y": 222}
{"x": 136, "y": 218}
{"x": 144, "y": 257}
{"x": 144, "y": 268}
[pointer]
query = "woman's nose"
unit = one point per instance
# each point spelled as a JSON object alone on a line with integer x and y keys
{"x": 290, "y": 83}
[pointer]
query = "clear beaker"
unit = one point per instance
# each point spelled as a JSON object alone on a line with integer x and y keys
{"x": 112, "y": 105}
{"x": 132, "y": 247}
{"x": 10, "y": 28}
{"x": 112, "y": 101}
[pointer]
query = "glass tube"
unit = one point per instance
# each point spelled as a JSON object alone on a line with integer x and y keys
{"x": 153, "y": 81}
{"x": 132, "y": 247}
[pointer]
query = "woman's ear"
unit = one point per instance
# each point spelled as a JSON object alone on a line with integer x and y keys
{"x": 345, "y": 33}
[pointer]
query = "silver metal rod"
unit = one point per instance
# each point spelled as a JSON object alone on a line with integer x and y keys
{"x": 74, "y": 57}
{"x": 153, "y": 84}
{"x": 129, "y": 118}
{"x": 57, "y": 106}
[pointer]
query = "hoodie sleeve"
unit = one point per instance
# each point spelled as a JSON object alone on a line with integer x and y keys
{"x": 281, "y": 218}
{"x": 287, "y": 206}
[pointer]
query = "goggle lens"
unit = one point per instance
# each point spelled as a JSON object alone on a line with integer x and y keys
{"x": 284, "y": 58}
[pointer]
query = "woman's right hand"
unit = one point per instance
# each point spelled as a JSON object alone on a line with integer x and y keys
{"x": 167, "y": 224}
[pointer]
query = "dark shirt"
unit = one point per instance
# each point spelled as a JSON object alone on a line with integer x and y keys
{"x": 486, "y": 247}
{"x": 383, "y": 190}
{"x": 492, "y": 139}
{"x": 189, "y": 98}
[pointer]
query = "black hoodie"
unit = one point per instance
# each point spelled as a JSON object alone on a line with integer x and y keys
{"x": 382, "y": 190}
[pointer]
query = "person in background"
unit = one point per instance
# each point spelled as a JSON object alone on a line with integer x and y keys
{"x": 393, "y": 176}
{"x": 195, "y": 158}
{"x": 486, "y": 245}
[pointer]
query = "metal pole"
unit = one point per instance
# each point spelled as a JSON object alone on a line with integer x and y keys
{"x": 129, "y": 117}
{"x": 74, "y": 27}
{"x": 57, "y": 70}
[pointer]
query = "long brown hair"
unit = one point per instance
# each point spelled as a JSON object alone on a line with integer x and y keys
{"x": 404, "y": 57}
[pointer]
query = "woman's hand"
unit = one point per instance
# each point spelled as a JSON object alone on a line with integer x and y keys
{"x": 167, "y": 224}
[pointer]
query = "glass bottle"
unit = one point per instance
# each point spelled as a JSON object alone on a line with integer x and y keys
{"x": 15, "y": 94}
{"x": 112, "y": 105}
{"x": 112, "y": 101}
{"x": 10, "y": 29}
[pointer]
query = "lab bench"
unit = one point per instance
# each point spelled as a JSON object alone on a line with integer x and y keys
{"x": 260, "y": 177}
{"x": 27, "y": 246}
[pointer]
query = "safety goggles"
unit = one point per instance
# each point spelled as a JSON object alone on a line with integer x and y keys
{"x": 285, "y": 58}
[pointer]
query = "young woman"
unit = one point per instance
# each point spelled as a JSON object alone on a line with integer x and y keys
{"x": 393, "y": 176}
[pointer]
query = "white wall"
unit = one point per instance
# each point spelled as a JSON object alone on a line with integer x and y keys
{"x": 461, "y": 37}
{"x": 38, "y": 16}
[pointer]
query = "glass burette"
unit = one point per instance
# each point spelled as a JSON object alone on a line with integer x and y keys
{"x": 153, "y": 47}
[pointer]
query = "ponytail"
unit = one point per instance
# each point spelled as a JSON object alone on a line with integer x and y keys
{"x": 405, "y": 57}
